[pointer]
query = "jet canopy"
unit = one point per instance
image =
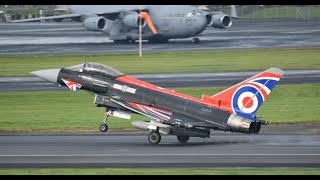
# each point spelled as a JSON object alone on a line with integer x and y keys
{"x": 97, "y": 69}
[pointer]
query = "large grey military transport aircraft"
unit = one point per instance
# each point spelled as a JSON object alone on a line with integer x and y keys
{"x": 159, "y": 23}
{"x": 233, "y": 109}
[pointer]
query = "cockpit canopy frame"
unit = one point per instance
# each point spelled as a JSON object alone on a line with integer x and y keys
{"x": 96, "y": 69}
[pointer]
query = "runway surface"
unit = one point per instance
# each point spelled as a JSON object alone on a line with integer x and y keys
{"x": 18, "y": 84}
{"x": 275, "y": 149}
{"x": 71, "y": 37}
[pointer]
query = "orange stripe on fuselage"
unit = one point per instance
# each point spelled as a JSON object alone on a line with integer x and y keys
{"x": 133, "y": 81}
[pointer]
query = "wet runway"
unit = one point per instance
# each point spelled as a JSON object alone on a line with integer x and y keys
{"x": 66, "y": 38}
{"x": 17, "y": 84}
{"x": 132, "y": 150}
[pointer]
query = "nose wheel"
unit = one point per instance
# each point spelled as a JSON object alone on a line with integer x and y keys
{"x": 104, "y": 127}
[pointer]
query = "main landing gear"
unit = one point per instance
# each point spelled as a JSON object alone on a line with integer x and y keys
{"x": 183, "y": 139}
{"x": 195, "y": 40}
{"x": 154, "y": 137}
{"x": 104, "y": 127}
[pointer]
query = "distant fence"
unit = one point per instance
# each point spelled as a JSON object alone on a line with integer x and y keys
{"x": 278, "y": 12}
{"x": 21, "y": 12}
{"x": 272, "y": 11}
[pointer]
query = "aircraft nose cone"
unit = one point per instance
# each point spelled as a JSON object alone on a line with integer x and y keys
{"x": 48, "y": 74}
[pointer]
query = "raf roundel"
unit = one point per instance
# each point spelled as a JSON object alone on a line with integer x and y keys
{"x": 124, "y": 88}
{"x": 246, "y": 99}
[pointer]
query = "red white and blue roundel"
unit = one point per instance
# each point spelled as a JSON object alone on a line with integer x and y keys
{"x": 249, "y": 96}
{"x": 73, "y": 86}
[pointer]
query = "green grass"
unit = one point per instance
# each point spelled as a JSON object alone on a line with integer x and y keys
{"x": 283, "y": 12}
{"x": 172, "y": 62}
{"x": 315, "y": 131}
{"x": 52, "y": 111}
{"x": 155, "y": 172}
{"x": 293, "y": 103}
{"x": 74, "y": 111}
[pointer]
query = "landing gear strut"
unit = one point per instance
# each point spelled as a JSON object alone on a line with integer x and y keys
{"x": 154, "y": 137}
{"x": 104, "y": 127}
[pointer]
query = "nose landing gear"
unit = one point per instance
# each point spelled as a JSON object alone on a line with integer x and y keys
{"x": 104, "y": 127}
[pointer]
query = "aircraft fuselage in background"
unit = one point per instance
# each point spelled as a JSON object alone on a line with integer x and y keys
{"x": 159, "y": 23}
{"x": 170, "y": 21}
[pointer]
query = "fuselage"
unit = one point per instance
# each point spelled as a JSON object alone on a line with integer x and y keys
{"x": 172, "y": 113}
{"x": 171, "y": 21}
{"x": 182, "y": 106}
{"x": 117, "y": 91}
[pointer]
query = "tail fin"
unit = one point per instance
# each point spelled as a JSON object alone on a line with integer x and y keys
{"x": 233, "y": 12}
{"x": 246, "y": 97}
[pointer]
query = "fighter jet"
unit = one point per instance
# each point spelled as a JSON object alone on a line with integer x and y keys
{"x": 174, "y": 113}
{"x": 158, "y": 23}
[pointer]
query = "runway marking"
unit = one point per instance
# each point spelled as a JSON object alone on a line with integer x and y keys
{"x": 119, "y": 155}
{"x": 304, "y": 31}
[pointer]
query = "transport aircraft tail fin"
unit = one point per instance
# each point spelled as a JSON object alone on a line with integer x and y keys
{"x": 233, "y": 12}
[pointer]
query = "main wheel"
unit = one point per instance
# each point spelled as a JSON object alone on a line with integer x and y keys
{"x": 120, "y": 41}
{"x": 132, "y": 41}
{"x": 104, "y": 128}
{"x": 195, "y": 40}
{"x": 183, "y": 139}
{"x": 154, "y": 137}
{"x": 158, "y": 41}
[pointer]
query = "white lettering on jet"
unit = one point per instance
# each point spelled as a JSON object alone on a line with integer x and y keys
{"x": 124, "y": 88}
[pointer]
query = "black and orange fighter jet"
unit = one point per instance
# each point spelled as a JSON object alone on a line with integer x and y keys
{"x": 233, "y": 109}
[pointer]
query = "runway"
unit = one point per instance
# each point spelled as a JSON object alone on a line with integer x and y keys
{"x": 132, "y": 150}
{"x": 22, "y": 84}
{"x": 72, "y": 38}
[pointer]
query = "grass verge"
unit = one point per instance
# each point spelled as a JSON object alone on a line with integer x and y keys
{"x": 58, "y": 111}
{"x": 172, "y": 62}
